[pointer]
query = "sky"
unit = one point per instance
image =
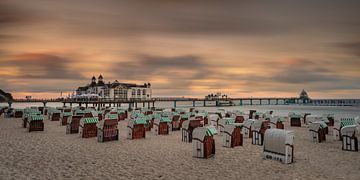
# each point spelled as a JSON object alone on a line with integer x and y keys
{"x": 182, "y": 47}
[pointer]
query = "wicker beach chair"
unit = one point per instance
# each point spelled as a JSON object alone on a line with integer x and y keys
{"x": 203, "y": 143}
{"x": 349, "y": 139}
{"x": 247, "y": 128}
{"x": 232, "y": 135}
{"x": 295, "y": 119}
{"x": 107, "y": 130}
{"x": 87, "y": 127}
{"x": 35, "y": 123}
{"x": 187, "y": 129}
{"x": 278, "y": 145}
{"x": 136, "y": 128}
{"x": 161, "y": 126}
{"x": 317, "y": 131}
{"x": 258, "y": 129}
{"x": 73, "y": 124}
{"x": 64, "y": 118}
{"x": 339, "y": 124}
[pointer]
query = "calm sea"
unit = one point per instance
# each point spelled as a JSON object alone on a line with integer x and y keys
{"x": 281, "y": 110}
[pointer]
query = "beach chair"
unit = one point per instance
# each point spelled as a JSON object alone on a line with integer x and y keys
{"x": 19, "y": 113}
{"x": 305, "y": 115}
{"x": 161, "y": 126}
{"x": 338, "y": 124}
{"x": 330, "y": 117}
{"x": 295, "y": 119}
{"x": 107, "y": 130}
{"x": 35, "y": 123}
{"x": 247, "y": 128}
{"x": 252, "y": 114}
{"x": 317, "y": 131}
{"x": 64, "y": 118}
{"x": 276, "y": 122}
{"x": 73, "y": 124}
{"x": 136, "y": 128}
{"x": 221, "y": 124}
{"x": 214, "y": 118}
{"x": 278, "y": 145}
{"x": 203, "y": 143}
{"x": 175, "y": 123}
{"x": 87, "y": 127}
{"x": 232, "y": 135}
{"x": 258, "y": 129}
{"x": 187, "y": 129}
{"x": 349, "y": 139}
{"x": 239, "y": 119}
{"x": 55, "y": 115}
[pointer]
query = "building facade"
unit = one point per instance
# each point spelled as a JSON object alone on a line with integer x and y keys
{"x": 115, "y": 90}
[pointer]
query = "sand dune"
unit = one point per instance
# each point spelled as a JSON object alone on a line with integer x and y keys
{"x": 54, "y": 155}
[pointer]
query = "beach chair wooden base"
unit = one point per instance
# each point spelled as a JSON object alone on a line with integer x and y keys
{"x": 163, "y": 128}
{"x": 88, "y": 131}
{"x": 108, "y": 135}
{"x": 63, "y": 121}
{"x": 18, "y": 114}
{"x": 295, "y": 122}
{"x": 350, "y": 143}
{"x": 35, "y": 126}
{"x": 137, "y": 132}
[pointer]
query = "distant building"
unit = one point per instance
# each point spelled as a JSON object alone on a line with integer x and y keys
{"x": 115, "y": 90}
{"x": 304, "y": 96}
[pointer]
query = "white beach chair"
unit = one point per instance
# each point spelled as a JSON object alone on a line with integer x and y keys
{"x": 203, "y": 143}
{"x": 247, "y": 128}
{"x": 349, "y": 139}
{"x": 232, "y": 135}
{"x": 278, "y": 145}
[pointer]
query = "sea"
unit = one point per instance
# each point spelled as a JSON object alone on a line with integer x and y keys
{"x": 280, "y": 110}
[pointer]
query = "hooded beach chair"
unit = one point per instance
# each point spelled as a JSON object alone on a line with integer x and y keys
{"x": 64, "y": 118}
{"x": 107, "y": 130}
{"x": 232, "y": 135}
{"x": 330, "y": 117}
{"x": 246, "y": 131}
{"x": 19, "y": 113}
{"x": 73, "y": 124}
{"x": 55, "y": 115}
{"x": 136, "y": 128}
{"x": 278, "y": 145}
{"x": 222, "y": 122}
{"x": 187, "y": 129}
{"x": 214, "y": 118}
{"x": 161, "y": 126}
{"x": 258, "y": 129}
{"x": 295, "y": 119}
{"x": 276, "y": 122}
{"x": 35, "y": 123}
{"x": 317, "y": 131}
{"x": 203, "y": 142}
{"x": 87, "y": 127}
{"x": 349, "y": 139}
{"x": 175, "y": 123}
{"x": 340, "y": 123}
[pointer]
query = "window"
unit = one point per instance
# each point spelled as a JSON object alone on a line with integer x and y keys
{"x": 144, "y": 92}
{"x": 138, "y": 92}
{"x": 133, "y": 92}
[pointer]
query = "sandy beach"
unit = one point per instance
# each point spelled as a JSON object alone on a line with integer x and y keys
{"x": 52, "y": 154}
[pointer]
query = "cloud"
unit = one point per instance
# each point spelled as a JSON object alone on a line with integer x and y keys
{"x": 352, "y": 47}
{"x": 302, "y": 71}
{"x": 40, "y": 66}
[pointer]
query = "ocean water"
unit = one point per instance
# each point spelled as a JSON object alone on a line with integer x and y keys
{"x": 281, "y": 110}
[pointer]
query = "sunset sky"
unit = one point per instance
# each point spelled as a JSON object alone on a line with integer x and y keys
{"x": 183, "y": 48}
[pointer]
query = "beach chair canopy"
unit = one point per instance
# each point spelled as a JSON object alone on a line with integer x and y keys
{"x": 349, "y": 130}
{"x": 91, "y": 120}
{"x": 275, "y": 140}
{"x": 36, "y": 118}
